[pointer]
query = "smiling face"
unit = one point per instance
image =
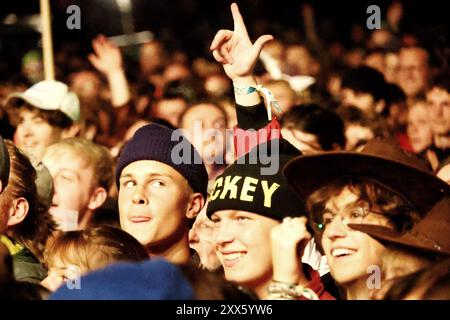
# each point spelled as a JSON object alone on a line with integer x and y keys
{"x": 154, "y": 201}
{"x": 349, "y": 252}
{"x": 33, "y": 134}
{"x": 243, "y": 246}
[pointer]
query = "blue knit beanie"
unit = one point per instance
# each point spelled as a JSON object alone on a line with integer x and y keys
{"x": 160, "y": 143}
{"x": 149, "y": 280}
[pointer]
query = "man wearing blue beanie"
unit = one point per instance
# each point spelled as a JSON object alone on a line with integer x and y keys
{"x": 162, "y": 184}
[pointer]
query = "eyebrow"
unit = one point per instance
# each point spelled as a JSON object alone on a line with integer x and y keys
{"x": 148, "y": 175}
{"x": 74, "y": 172}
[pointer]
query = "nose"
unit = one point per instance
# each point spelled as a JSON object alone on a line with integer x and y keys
{"x": 439, "y": 110}
{"x": 193, "y": 235}
{"x": 336, "y": 229}
{"x": 139, "y": 197}
{"x": 224, "y": 233}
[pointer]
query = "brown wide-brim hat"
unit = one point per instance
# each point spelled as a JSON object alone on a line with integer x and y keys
{"x": 431, "y": 234}
{"x": 380, "y": 160}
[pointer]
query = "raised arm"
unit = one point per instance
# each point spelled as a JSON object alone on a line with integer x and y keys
{"x": 107, "y": 59}
{"x": 238, "y": 56}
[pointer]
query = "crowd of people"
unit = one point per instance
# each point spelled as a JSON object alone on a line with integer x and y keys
{"x": 279, "y": 169}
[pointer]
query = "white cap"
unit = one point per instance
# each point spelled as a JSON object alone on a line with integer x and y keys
{"x": 51, "y": 95}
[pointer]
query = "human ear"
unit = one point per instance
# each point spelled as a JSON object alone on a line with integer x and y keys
{"x": 71, "y": 132}
{"x": 196, "y": 203}
{"x": 18, "y": 211}
{"x": 98, "y": 198}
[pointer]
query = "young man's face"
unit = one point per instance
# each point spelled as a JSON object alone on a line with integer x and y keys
{"x": 349, "y": 252}
{"x": 438, "y": 101}
{"x": 243, "y": 246}
{"x": 362, "y": 101}
{"x": 33, "y": 134}
{"x": 73, "y": 182}
{"x": 153, "y": 203}
{"x": 196, "y": 121}
{"x": 419, "y": 128}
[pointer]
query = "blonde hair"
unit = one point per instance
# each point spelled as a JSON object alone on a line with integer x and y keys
{"x": 96, "y": 156}
{"x": 94, "y": 248}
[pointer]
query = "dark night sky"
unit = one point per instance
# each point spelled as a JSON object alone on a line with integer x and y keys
{"x": 191, "y": 24}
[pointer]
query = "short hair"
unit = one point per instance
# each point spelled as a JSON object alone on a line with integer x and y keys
{"x": 354, "y": 116}
{"x": 55, "y": 118}
{"x": 95, "y": 155}
{"x": 94, "y": 248}
{"x": 365, "y": 80}
{"x": 442, "y": 81}
{"x": 324, "y": 123}
{"x": 394, "y": 206}
{"x": 200, "y": 102}
{"x": 179, "y": 89}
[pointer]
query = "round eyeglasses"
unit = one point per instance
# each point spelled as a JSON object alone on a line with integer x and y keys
{"x": 354, "y": 213}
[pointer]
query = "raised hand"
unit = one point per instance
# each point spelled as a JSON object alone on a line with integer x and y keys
{"x": 285, "y": 239}
{"x": 234, "y": 49}
{"x": 107, "y": 58}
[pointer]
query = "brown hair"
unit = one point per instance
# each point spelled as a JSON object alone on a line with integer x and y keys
{"x": 95, "y": 248}
{"x": 34, "y": 230}
{"x": 399, "y": 211}
{"x": 212, "y": 103}
{"x": 54, "y": 118}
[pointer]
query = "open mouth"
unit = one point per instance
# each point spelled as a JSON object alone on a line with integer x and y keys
{"x": 232, "y": 258}
{"x": 342, "y": 252}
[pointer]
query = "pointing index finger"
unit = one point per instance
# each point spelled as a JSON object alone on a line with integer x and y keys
{"x": 239, "y": 24}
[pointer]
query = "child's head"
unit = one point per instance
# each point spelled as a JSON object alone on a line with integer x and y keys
{"x": 76, "y": 252}
{"x": 43, "y": 114}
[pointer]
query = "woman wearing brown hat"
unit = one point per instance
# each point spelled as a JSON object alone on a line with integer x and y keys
{"x": 364, "y": 205}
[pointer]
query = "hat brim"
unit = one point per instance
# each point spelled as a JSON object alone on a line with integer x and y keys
{"x": 407, "y": 239}
{"x": 309, "y": 173}
{"x": 18, "y": 96}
